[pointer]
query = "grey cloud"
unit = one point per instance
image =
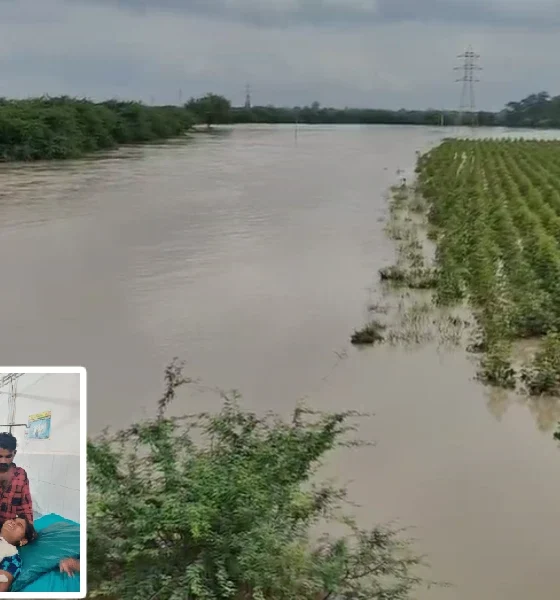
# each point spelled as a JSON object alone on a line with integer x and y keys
{"x": 19, "y": 12}
{"x": 254, "y": 12}
{"x": 94, "y": 49}
{"x": 490, "y": 13}
{"x": 530, "y": 14}
{"x": 83, "y": 77}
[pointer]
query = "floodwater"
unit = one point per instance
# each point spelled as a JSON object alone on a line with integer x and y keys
{"x": 253, "y": 255}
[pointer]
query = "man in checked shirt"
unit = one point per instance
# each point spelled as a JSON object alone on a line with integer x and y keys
{"x": 15, "y": 497}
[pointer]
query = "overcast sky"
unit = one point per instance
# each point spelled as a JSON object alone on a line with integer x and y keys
{"x": 382, "y": 53}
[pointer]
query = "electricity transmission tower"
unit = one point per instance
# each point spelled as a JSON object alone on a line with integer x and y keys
{"x": 467, "y": 105}
{"x": 247, "y": 96}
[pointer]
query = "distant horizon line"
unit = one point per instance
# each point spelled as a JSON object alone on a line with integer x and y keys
{"x": 325, "y": 107}
{"x": 152, "y": 102}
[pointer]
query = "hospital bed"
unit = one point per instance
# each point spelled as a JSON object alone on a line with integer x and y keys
{"x": 58, "y": 538}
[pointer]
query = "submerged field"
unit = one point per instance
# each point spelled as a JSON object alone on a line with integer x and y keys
{"x": 492, "y": 209}
{"x": 248, "y": 255}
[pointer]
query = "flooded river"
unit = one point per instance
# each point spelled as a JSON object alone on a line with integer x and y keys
{"x": 252, "y": 255}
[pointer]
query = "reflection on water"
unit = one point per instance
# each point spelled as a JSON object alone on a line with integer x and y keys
{"x": 251, "y": 257}
{"x": 499, "y": 401}
{"x": 544, "y": 410}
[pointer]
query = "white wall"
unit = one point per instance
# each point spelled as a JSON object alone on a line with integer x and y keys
{"x": 53, "y": 465}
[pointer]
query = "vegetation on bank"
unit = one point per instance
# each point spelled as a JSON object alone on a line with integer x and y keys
{"x": 496, "y": 207}
{"x": 407, "y": 315}
{"x": 224, "y": 506}
{"x": 60, "y": 128}
{"x": 316, "y": 114}
{"x": 493, "y": 211}
{"x": 536, "y": 110}
{"x": 211, "y": 109}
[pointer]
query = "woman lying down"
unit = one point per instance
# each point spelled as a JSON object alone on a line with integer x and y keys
{"x": 14, "y": 533}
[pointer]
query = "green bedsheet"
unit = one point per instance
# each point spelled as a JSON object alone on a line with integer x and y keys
{"x": 53, "y": 581}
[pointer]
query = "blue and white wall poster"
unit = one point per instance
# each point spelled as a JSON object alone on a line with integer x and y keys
{"x": 39, "y": 426}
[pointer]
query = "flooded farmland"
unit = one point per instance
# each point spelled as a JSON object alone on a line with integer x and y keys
{"x": 253, "y": 254}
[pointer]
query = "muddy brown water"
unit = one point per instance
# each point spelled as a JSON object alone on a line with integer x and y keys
{"x": 253, "y": 255}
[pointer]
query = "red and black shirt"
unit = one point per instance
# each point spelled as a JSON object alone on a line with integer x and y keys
{"x": 15, "y": 498}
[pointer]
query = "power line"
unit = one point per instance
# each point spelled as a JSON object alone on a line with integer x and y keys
{"x": 467, "y": 106}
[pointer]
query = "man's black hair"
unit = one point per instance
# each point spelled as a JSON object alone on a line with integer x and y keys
{"x": 8, "y": 441}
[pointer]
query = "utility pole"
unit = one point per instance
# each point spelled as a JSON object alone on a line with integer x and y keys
{"x": 247, "y": 97}
{"x": 180, "y": 97}
{"x": 12, "y": 402}
{"x": 467, "y": 104}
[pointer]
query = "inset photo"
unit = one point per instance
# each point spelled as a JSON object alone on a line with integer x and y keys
{"x": 43, "y": 482}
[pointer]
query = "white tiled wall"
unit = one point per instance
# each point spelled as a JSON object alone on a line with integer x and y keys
{"x": 54, "y": 480}
{"x": 52, "y": 465}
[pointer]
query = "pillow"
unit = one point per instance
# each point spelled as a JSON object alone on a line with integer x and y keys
{"x": 49, "y": 519}
{"x": 55, "y": 542}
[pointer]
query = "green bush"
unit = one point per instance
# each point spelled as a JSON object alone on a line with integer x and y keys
{"x": 58, "y": 128}
{"x": 369, "y": 334}
{"x": 542, "y": 374}
{"x": 230, "y": 515}
{"x": 495, "y": 367}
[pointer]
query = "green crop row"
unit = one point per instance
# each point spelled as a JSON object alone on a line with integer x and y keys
{"x": 495, "y": 207}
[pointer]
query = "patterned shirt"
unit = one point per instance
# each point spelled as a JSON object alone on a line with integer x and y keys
{"x": 11, "y": 564}
{"x": 15, "y": 499}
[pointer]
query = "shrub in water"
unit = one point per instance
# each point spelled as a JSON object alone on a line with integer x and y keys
{"x": 230, "y": 516}
{"x": 542, "y": 374}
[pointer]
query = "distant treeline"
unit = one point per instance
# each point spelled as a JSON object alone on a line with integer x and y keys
{"x": 536, "y": 110}
{"x": 56, "y": 128}
{"x": 315, "y": 114}
{"x": 63, "y": 127}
